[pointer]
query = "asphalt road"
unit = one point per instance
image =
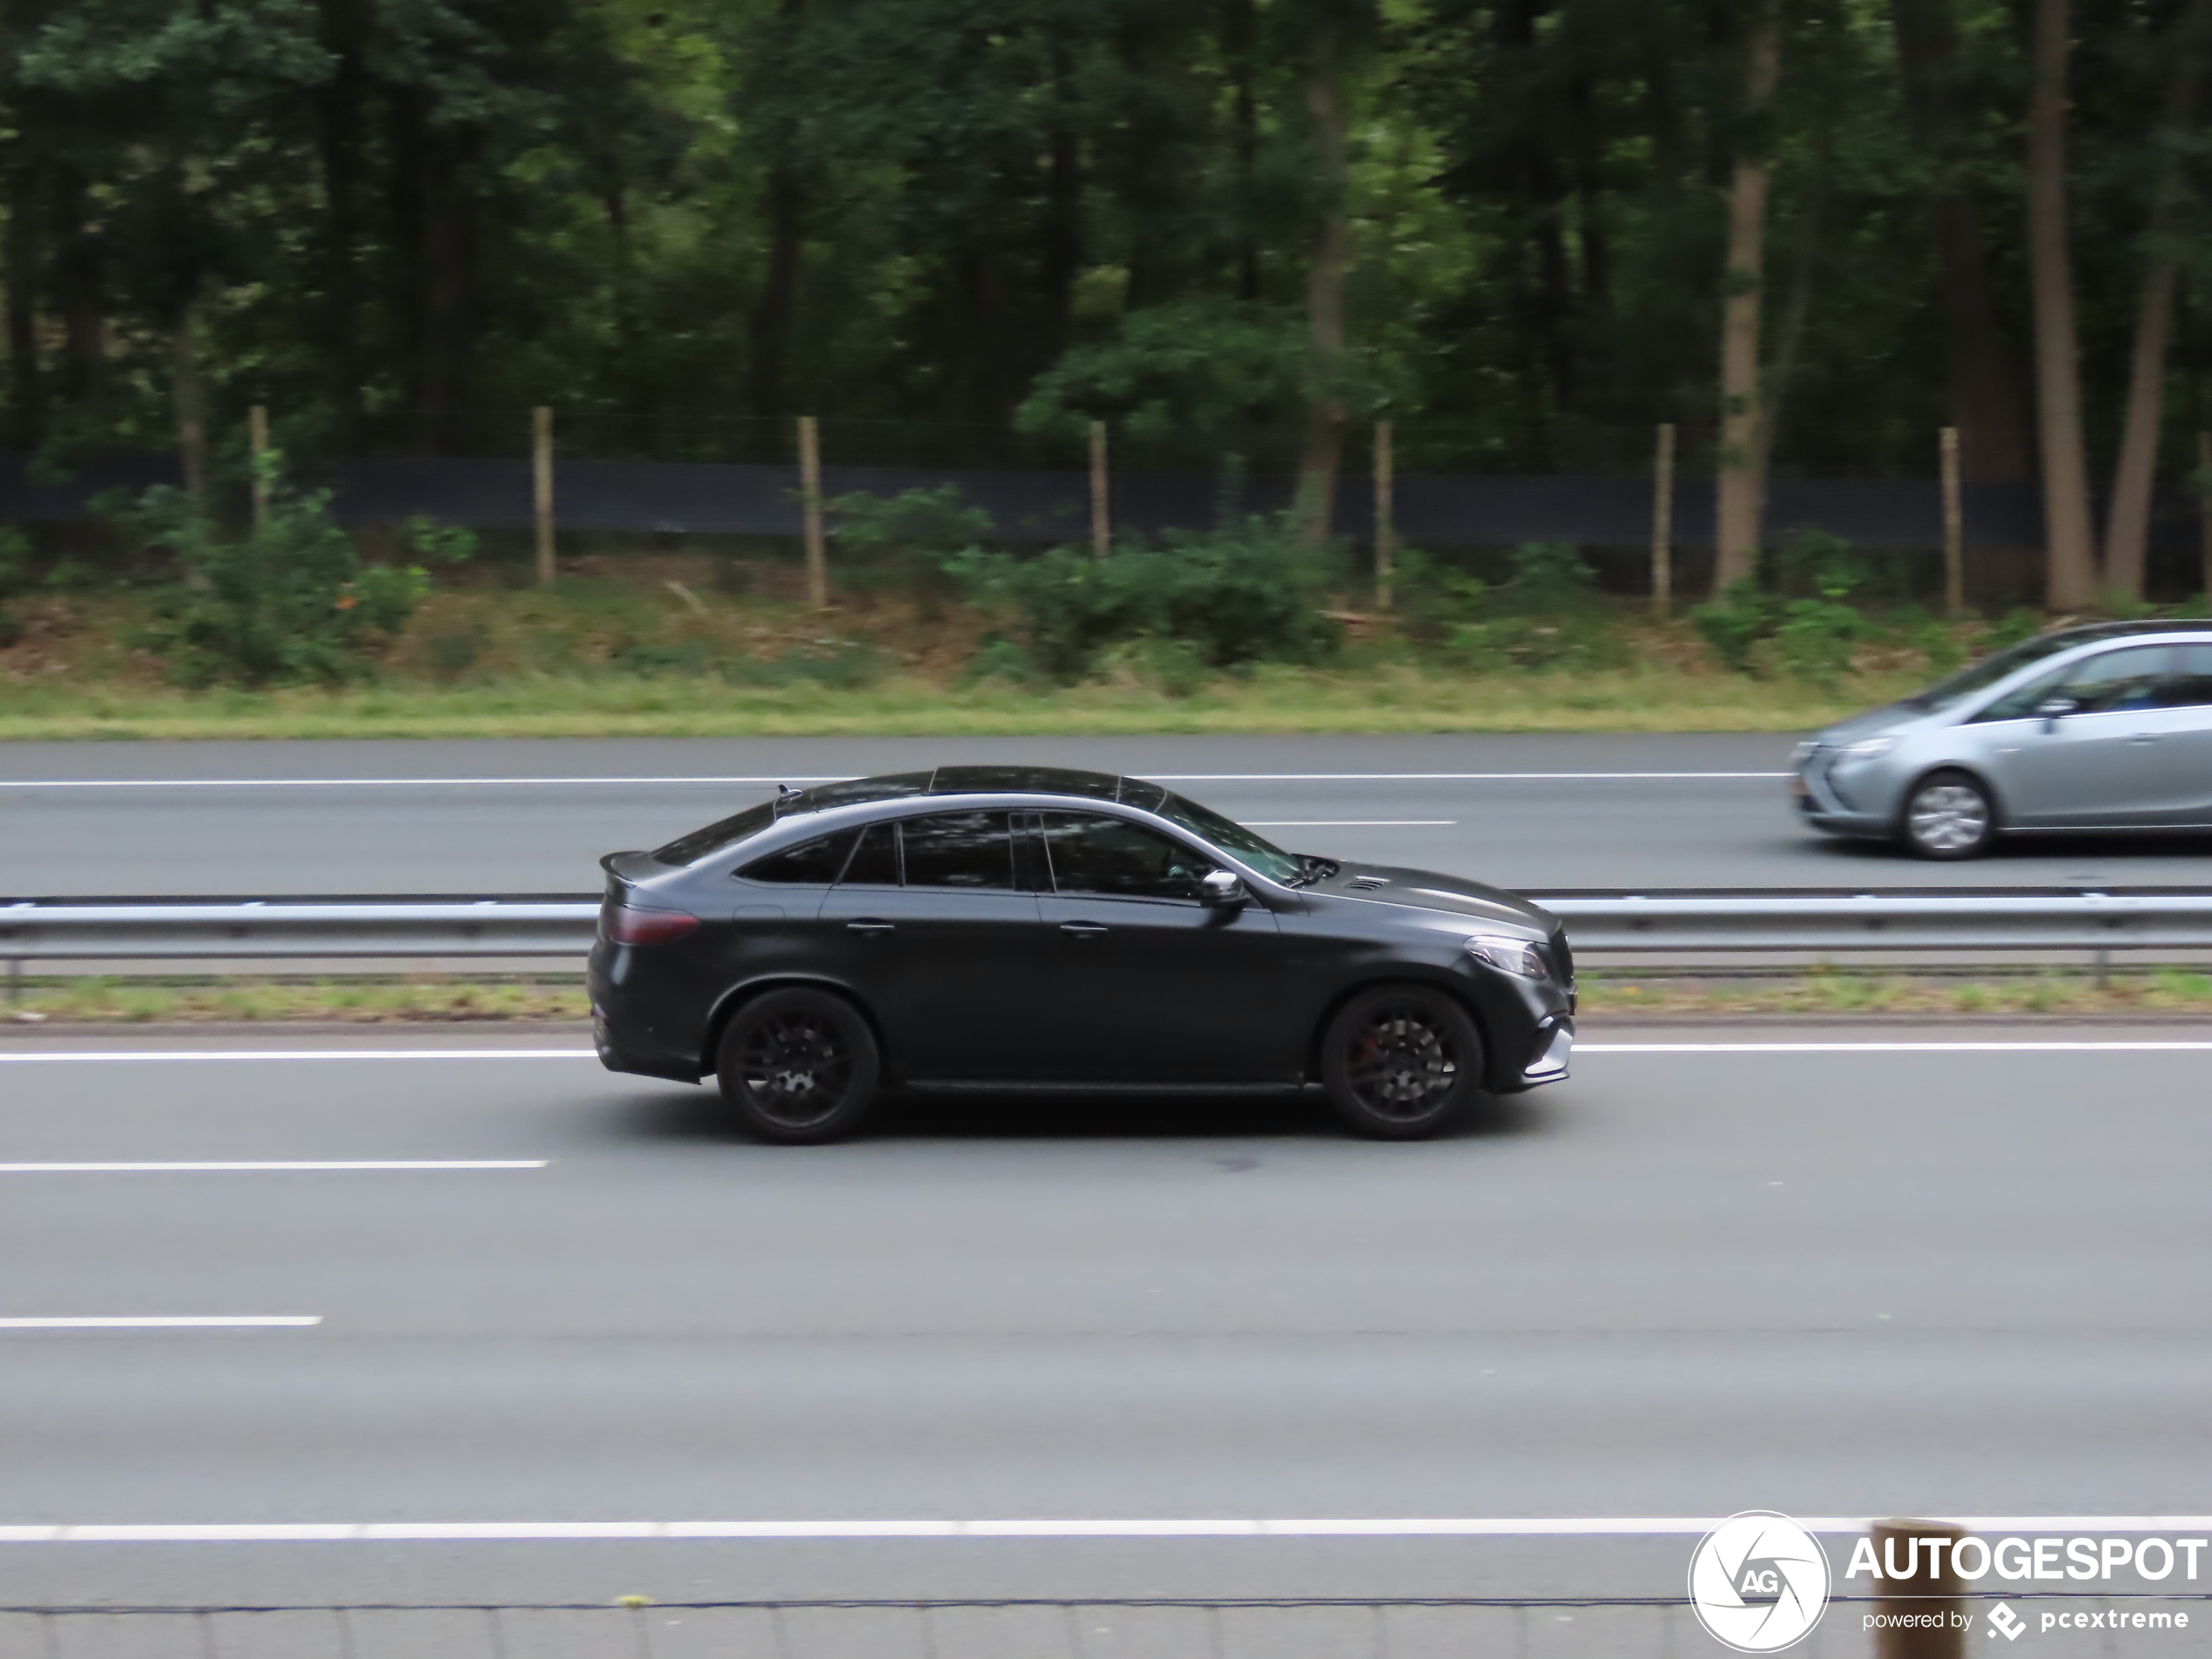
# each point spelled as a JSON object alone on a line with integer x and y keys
{"x": 1873, "y": 1281}
{"x": 1532, "y": 812}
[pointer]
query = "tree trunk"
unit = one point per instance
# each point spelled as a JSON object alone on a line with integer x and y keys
{"x": 1740, "y": 484}
{"x": 1986, "y": 394}
{"x": 78, "y": 276}
{"x": 339, "y": 135}
{"x": 19, "y": 275}
{"x": 773, "y": 311}
{"x": 189, "y": 397}
{"x": 1060, "y": 259}
{"x": 2127, "y": 528}
{"x": 1239, "y": 32}
{"x": 2070, "y": 569}
{"x": 1332, "y": 259}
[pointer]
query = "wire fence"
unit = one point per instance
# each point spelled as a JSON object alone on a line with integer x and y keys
{"x": 1301, "y": 1628}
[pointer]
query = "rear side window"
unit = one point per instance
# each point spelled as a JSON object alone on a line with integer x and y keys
{"x": 969, "y": 850}
{"x": 811, "y": 863}
{"x": 875, "y": 862}
{"x": 2188, "y": 681}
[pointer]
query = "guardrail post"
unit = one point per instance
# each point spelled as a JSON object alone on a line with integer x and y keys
{"x": 542, "y": 490}
{"x": 1102, "y": 518}
{"x": 15, "y": 979}
{"x": 1928, "y": 1588}
{"x": 1386, "y": 514}
{"x": 1662, "y": 523}
{"x": 810, "y": 491}
{"x": 1954, "y": 531}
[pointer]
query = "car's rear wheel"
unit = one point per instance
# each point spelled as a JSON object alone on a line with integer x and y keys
{"x": 1950, "y": 815}
{"x": 799, "y": 1067}
{"x": 1400, "y": 1061}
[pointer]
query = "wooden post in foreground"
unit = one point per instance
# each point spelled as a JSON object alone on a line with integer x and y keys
{"x": 1385, "y": 516}
{"x": 810, "y": 493}
{"x": 1927, "y": 1589}
{"x": 2204, "y": 500}
{"x": 542, "y": 490}
{"x": 1102, "y": 518}
{"x": 257, "y": 432}
{"x": 1662, "y": 523}
{"x": 1954, "y": 537}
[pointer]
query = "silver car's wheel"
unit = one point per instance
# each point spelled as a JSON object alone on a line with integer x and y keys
{"x": 1949, "y": 815}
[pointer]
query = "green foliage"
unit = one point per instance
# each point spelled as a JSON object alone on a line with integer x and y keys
{"x": 2018, "y": 624}
{"x": 1933, "y": 638}
{"x": 287, "y": 602}
{"x": 1433, "y": 597}
{"x": 911, "y": 540}
{"x": 1734, "y": 624}
{"x": 1246, "y": 594}
{"x": 1549, "y": 578}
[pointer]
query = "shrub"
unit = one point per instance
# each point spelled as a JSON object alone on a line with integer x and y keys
{"x": 2020, "y": 623}
{"x": 286, "y": 602}
{"x": 1246, "y": 594}
{"x": 1733, "y": 623}
{"x": 913, "y": 538}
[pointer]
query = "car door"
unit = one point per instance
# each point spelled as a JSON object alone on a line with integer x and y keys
{"x": 2185, "y": 736}
{"x": 2098, "y": 767}
{"x": 931, "y": 928}
{"x": 1142, "y": 982}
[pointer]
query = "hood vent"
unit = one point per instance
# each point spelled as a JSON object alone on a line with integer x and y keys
{"x": 1366, "y": 883}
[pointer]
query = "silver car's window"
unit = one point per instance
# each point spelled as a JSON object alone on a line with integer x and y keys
{"x": 2118, "y": 681}
{"x": 1986, "y": 673}
{"x": 2188, "y": 679}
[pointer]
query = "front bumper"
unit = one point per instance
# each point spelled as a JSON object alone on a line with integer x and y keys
{"x": 1556, "y": 1041}
{"x": 1840, "y": 798}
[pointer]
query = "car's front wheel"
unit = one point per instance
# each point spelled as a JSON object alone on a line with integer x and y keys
{"x": 1400, "y": 1061}
{"x": 799, "y": 1067}
{"x": 1950, "y": 815}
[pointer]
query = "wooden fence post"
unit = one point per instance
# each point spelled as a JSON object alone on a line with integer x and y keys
{"x": 2204, "y": 502}
{"x": 256, "y": 431}
{"x": 1102, "y": 518}
{"x": 541, "y": 489}
{"x": 810, "y": 491}
{"x": 1954, "y": 537}
{"x": 1385, "y": 516}
{"x": 1662, "y": 521}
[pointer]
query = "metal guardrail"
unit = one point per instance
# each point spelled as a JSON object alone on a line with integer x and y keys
{"x": 1804, "y": 920}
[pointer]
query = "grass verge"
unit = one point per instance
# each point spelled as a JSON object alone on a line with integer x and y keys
{"x": 1605, "y": 995}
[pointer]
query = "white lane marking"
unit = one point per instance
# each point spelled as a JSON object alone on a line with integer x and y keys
{"x": 164, "y": 1322}
{"x": 92, "y": 1055}
{"x": 804, "y": 778}
{"x": 1348, "y": 823}
{"x": 1442, "y": 1527}
{"x": 2114, "y": 1046}
{"x": 294, "y": 1166}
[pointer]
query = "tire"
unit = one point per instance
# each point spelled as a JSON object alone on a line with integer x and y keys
{"x": 1948, "y": 815}
{"x": 799, "y": 1067}
{"x": 1399, "y": 1062}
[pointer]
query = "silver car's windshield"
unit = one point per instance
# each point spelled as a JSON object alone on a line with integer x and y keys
{"x": 1986, "y": 673}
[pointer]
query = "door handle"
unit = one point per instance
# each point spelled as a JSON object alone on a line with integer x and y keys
{"x": 1083, "y": 929}
{"x": 2144, "y": 737}
{"x": 870, "y": 925}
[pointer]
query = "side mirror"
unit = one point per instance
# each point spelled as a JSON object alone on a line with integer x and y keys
{"x": 2054, "y": 709}
{"x": 1222, "y": 890}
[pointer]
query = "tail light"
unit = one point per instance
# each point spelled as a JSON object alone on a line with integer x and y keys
{"x": 629, "y": 926}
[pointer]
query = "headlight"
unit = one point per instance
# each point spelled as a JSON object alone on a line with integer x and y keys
{"x": 1869, "y": 748}
{"x": 1513, "y": 956}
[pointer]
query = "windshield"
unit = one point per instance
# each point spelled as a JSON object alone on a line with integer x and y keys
{"x": 1231, "y": 837}
{"x": 690, "y": 849}
{"x": 1986, "y": 672}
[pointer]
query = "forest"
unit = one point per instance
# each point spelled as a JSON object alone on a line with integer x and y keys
{"x": 1808, "y": 234}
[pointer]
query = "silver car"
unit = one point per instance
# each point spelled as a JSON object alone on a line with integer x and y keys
{"x": 2107, "y": 727}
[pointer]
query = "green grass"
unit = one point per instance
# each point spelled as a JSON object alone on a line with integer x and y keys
{"x": 1383, "y": 697}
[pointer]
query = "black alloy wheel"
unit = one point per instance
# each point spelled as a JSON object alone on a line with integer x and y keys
{"x": 799, "y": 1067}
{"x": 1399, "y": 1062}
{"x": 1949, "y": 815}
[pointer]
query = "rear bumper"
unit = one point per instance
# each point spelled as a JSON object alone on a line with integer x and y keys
{"x": 623, "y": 1030}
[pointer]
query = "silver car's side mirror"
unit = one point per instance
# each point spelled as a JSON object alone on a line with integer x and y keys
{"x": 2051, "y": 710}
{"x": 1222, "y": 889}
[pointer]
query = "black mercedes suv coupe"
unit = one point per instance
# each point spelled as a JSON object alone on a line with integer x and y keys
{"x": 1030, "y": 928}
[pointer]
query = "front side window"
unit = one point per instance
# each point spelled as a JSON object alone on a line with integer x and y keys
{"x": 1256, "y": 850}
{"x": 2118, "y": 681}
{"x": 970, "y": 850}
{"x": 1118, "y": 860}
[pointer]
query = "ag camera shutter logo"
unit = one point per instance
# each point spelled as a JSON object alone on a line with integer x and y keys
{"x": 1758, "y": 1581}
